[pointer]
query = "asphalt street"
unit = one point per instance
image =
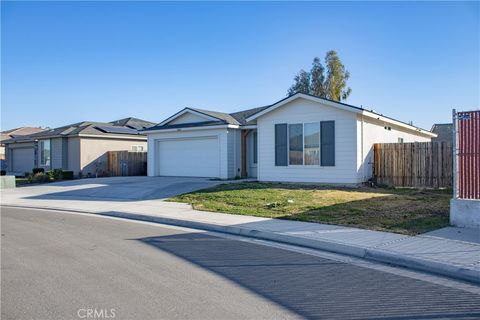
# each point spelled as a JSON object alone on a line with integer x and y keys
{"x": 57, "y": 265}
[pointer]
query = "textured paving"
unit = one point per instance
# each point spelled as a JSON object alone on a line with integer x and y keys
{"x": 451, "y": 251}
{"x": 55, "y": 263}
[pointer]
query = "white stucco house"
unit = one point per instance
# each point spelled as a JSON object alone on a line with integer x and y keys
{"x": 301, "y": 138}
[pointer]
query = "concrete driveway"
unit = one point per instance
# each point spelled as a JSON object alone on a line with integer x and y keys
{"x": 111, "y": 189}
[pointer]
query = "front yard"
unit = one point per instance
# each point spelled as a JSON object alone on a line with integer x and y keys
{"x": 404, "y": 211}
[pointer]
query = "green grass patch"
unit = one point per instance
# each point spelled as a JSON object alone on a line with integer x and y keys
{"x": 406, "y": 211}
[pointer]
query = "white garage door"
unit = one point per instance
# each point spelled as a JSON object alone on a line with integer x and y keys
{"x": 22, "y": 160}
{"x": 189, "y": 157}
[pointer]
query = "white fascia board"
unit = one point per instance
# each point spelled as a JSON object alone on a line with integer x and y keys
{"x": 223, "y": 126}
{"x": 342, "y": 107}
{"x": 250, "y": 126}
{"x": 398, "y": 123}
{"x": 125, "y": 137}
{"x": 182, "y": 112}
{"x": 306, "y": 97}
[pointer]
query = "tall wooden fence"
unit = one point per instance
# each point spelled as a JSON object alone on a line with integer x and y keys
{"x": 126, "y": 163}
{"x": 417, "y": 164}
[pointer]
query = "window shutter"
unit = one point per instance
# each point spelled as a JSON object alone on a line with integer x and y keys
{"x": 281, "y": 144}
{"x": 327, "y": 137}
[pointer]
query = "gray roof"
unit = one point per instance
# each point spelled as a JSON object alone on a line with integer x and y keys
{"x": 86, "y": 127}
{"x": 22, "y": 131}
{"x": 444, "y": 132}
{"x": 133, "y": 123}
{"x": 240, "y": 117}
{"x": 225, "y": 117}
{"x": 236, "y": 118}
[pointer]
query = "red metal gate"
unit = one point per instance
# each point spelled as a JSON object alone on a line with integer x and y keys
{"x": 467, "y": 136}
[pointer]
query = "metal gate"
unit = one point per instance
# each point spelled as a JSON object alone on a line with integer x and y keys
{"x": 466, "y": 151}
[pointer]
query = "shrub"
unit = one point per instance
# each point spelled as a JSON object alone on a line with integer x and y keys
{"x": 3, "y": 172}
{"x": 67, "y": 175}
{"x": 38, "y": 170}
{"x": 50, "y": 175}
{"x": 57, "y": 174}
{"x": 40, "y": 177}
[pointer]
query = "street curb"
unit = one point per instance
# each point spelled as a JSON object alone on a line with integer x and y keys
{"x": 378, "y": 255}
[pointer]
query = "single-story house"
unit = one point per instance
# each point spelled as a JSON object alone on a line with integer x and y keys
{"x": 301, "y": 138}
{"x": 444, "y": 132}
{"x": 9, "y": 134}
{"x": 79, "y": 147}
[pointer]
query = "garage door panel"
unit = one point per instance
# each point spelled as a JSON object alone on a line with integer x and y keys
{"x": 190, "y": 157}
{"x": 22, "y": 160}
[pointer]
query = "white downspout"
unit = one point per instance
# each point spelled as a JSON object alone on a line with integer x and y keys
{"x": 362, "y": 152}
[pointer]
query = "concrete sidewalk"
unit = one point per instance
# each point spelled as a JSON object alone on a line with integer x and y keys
{"x": 451, "y": 252}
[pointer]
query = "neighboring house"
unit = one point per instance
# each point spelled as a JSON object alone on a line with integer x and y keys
{"x": 301, "y": 138}
{"x": 444, "y": 132}
{"x": 8, "y": 134}
{"x": 79, "y": 147}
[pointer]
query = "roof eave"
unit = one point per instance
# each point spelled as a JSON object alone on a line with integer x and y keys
{"x": 182, "y": 112}
{"x": 341, "y": 106}
{"x": 220, "y": 126}
{"x": 398, "y": 123}
{"x": 307, "y": 97}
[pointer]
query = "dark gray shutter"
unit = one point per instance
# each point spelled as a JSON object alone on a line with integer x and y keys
{"x": 281, "y": 144}
{"x": 327, "y": 137}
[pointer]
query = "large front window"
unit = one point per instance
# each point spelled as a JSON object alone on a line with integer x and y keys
{"x": 312, "y": 143}
{"x": 295, "y": 144}
{"x": 45, "y": 152}
{"x": 307, "y": 144}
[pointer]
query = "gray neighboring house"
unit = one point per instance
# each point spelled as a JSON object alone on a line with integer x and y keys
{"x": 79, "y": 147}
{"x": 444, "y": 132}
{"x": 9, "y": 134}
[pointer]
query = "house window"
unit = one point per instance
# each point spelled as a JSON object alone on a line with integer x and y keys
{"x": 400, "y": 140}
{"x": 45, "y": 152}
{"x": 255, "y": 143}
{"x": 311, "y": 132}
{"x": 137, "y": 148}
{"x": 305, "y": 144}
{"x": 295, "y": 144}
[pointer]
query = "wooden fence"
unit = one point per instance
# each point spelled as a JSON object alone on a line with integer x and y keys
{"x": 418, "y": 164}
{"x": 126, "y": 163}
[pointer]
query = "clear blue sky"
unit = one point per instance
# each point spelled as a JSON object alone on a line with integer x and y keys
{"x": 64, "y": 62}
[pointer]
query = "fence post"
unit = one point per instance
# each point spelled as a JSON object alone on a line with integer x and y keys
{"x": 454, "y": 151}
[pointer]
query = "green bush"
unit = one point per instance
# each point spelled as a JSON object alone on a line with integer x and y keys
{"x": 40, "y": 177}
{"x": 50, "y": 174}
{"x": 57, "y": 174}
{"x": 67, "y": 175}
{"x": 38, "y": 170}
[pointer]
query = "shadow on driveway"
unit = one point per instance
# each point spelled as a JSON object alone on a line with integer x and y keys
{"x": 314, "y": 287}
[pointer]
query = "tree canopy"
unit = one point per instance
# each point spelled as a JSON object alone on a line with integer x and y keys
{"x": 332, "y": 86}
